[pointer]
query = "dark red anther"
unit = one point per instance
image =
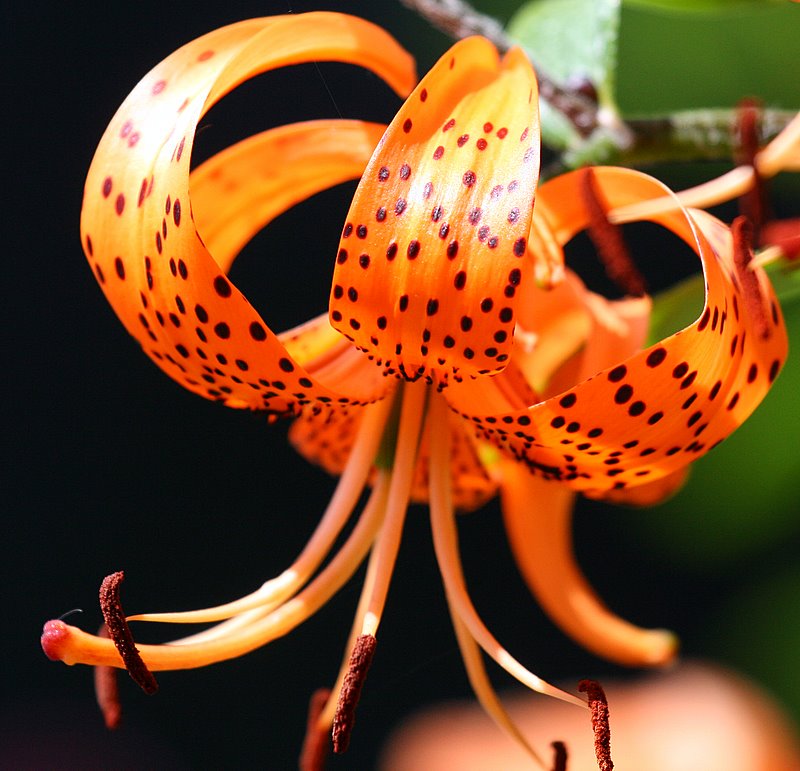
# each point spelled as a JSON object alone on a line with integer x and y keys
{"x": 106, "y": 690}
{"x": 120, "y": 633}
{"x": 559, "y": 756}
{"x": 316, "y": 743}
{"x": 752, "y": 204}
{"x": 598, "y": 707}
{"x": 608, "y": 240}
{"x": 345, "y": 717}
{"x": 742, "y": 232}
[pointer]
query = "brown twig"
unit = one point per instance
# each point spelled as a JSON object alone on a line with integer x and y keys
{"x": 459, "y": 19}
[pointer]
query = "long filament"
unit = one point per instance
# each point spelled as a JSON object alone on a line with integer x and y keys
{"x": 482, "y": 686}
{"x": 445, "y": 541}
{"x": 75, "y": 646}
{"x": 351, "y": 483}
{"x": 388, "y": 541}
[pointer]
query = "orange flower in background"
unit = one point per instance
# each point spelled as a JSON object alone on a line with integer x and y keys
{"x": 459, "y": 358}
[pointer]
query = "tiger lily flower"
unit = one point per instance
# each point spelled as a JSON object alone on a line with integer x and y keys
{"x": 458, "y": 357}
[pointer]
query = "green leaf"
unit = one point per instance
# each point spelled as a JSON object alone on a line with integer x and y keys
{"x": 571, "y": 41}
{"x": 764, "y": 646}
{"x": 701, "y": 6}
{"x": 674, "y": 62}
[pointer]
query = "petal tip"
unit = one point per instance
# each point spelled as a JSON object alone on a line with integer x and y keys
{"x": 663, "y": 647}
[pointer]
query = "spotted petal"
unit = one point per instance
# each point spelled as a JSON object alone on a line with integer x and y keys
{"x": 440, "y": 221}
{"x": 653, "y": 412}
{"x": 138, "y": 228}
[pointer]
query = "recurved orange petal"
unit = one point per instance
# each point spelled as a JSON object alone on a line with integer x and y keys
{"x": 137, "y": 222}
{"x": 653, "y": 412}
{"x": 435, "y": 242}
{"x": 241, "y": 189}
{"x": 538, "y": 520}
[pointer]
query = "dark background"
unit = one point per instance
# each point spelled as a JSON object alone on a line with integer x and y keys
{"x": 110, "y": 465}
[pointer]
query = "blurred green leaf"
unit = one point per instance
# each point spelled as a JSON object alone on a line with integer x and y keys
{"x": 701, "y": 6}
{"x": 572, "y": 41}
{"x": 677, "y": 62}
{"x": 676, "y": 308}
{"x": 758, "y": 632}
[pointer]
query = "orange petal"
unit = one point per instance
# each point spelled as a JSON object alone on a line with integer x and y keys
{"x": 434, "y": 245}
{"x": 658, "y": 410}
{"x": 243, "y": 188}
{"x": 538, "y": 519}
{"x": 648, "y": 494}
{"x": 137, "y": 222}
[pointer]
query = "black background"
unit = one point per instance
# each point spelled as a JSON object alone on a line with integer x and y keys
{"x": 110, "y": 465}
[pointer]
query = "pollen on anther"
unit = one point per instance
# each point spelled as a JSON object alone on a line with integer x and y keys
{"x": 120, "y": 633}
{"x": 344, "y": 719}
{"x": 598, "y": 707}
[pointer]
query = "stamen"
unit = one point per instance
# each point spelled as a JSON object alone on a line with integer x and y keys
{"x": 316, "y": 743}
{"x": 753, "y": 202}
{"x": 345, "y": 498}
{"x": 120, "y": 633}
{"x": 783, "y": 152}
{"x": 71, "y": 645}
{"x": 388, "y": 541}
{"x": 598, "y": 705}
{"x": 742, "y": 232}
{"x": 106, "y": 690}
{"x": 608, "y": 240}
{"x": 559, "y": 756}
{"x": 445, "y": 542}
{"x": 768, "y": 256}
{"x": 730, "y": 185}
{"x": 345, "y": 717}
{"x": 482, "y": 686}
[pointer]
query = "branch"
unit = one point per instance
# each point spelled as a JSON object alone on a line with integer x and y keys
{"x": 682, "y": 136}
{"x": 459, "y": 19}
